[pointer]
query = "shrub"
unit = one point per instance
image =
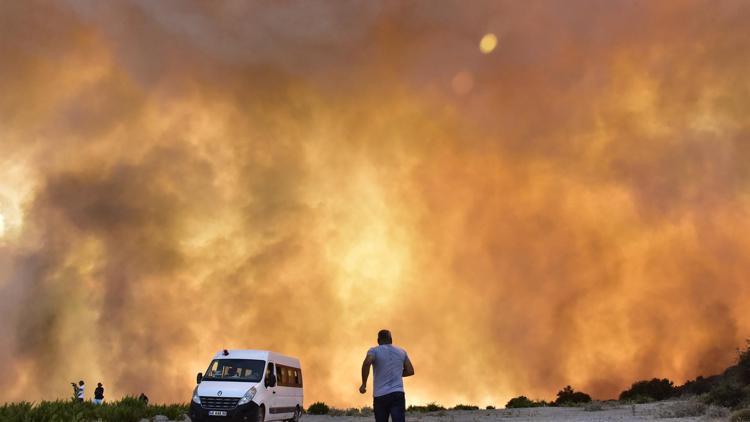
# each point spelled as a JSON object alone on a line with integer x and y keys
{"x": 569, "y": 397}
{"x": 336, "y": 412}
{"x": 352, "y": 411}
{"x": 726, "y": 394}
{"x": 742, "y": 415}
{"x": 465, "y": 407}
{"x": 697, "y": 386}
{"x": 318, "y": 408}
{"x": 521, "y": 402}
{"x": 430, "y": 407}
{"x": 594, "y": 406}
{"x": 490, "y": 407}
{"x": 657, "y": 389}
{"x": 683, "y": 409}
{"x": 639, "y": 400}
{"x": 717, "y": 412}
{"x": 366, "y": 411}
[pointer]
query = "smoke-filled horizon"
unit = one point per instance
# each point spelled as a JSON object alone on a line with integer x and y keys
{"x": 568, "y": 206}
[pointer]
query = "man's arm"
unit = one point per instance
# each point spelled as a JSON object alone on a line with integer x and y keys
{"x": 366, "y": 372}
{"x": 408, "y": 367}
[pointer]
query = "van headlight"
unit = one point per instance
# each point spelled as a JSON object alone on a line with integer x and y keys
{"x": 248, "y": 396}
{"x": 196, "y": 399}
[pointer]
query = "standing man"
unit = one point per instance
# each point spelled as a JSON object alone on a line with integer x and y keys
{"x": 99, "y": 394}
{"x": 390, "y": 364}
{"x": 81, "y": 391}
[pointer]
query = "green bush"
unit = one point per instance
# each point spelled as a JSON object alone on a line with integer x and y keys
{"x": 490, "y": 407}
{"x": 569, "y": 397}
{"x": 522, "y": 402}
{"x": 318, "y": 408}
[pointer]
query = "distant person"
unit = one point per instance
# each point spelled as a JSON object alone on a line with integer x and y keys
{"x": 144, "y": 398}
{"x": 79, "y": 391}
{"x": 99, "y": 394}
{"x": 390, "y": 365}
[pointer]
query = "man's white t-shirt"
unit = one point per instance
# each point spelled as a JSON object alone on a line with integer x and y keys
{"x": 388, "y": 363}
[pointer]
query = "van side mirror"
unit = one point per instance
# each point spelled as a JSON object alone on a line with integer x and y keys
{"x": 199, "y": 378}
{"x": 271, "y": 380}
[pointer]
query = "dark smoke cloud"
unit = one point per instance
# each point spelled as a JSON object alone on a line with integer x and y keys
{"x": 181, "y": 177}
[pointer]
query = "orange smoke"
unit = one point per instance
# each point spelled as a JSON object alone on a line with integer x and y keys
{"x": 565, "y": 202}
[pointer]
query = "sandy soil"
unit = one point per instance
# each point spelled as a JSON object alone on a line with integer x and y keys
{"x": 652, "y": 411}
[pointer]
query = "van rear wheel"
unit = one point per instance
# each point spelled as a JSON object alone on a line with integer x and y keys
{"x": 297, "y": 415}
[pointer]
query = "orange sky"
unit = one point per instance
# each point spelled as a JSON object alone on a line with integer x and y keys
{"x": 569, "y": 207}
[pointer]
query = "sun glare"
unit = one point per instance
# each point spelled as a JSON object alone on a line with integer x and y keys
{"x": 488, "y": 43}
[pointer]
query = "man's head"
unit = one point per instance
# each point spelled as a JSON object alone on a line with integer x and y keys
{"x": 80, "y": 382}
{"x": 98, "y": 384}
{"x": 384, "y": 337}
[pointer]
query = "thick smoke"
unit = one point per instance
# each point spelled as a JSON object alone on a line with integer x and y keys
{"x": 182, "y": 177}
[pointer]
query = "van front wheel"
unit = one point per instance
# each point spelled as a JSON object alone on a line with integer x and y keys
{"x": 261, "y": 414}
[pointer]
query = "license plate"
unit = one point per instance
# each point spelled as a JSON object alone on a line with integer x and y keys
{"x": 217, "y": 413}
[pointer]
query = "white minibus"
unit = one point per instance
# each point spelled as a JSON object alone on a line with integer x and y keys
{"x": 248, "y": 385}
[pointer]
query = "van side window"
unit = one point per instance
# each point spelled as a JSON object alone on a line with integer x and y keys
{"x": 269, "y": 371}
{"x": 280, "y": 374}
{"x": 286, "y": 376}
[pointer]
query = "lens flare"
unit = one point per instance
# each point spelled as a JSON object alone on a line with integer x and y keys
{"x": 488, "y": 43}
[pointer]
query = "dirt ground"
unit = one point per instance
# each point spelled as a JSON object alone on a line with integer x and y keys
{"x": 668, "y": 411}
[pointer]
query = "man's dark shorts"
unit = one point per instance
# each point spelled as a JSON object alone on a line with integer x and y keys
{"x": 393, "y": 405}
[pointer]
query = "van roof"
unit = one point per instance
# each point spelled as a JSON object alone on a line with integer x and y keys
{"x": 264, "y": 355}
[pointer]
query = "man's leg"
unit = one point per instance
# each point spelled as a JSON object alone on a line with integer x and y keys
{"x": 398, "y": 407}
{"x": 380, "y": 408}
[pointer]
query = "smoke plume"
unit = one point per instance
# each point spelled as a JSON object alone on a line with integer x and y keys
{"x": 571, "y": 207}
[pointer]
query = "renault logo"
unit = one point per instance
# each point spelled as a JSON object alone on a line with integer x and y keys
{"x": 219, "y": 393}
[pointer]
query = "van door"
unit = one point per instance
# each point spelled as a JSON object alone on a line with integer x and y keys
{"x": 271, "y": 397}
{"x": 283, "y": 410}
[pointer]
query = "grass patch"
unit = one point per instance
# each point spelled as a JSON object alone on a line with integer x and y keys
{"x": 129, "y": 409}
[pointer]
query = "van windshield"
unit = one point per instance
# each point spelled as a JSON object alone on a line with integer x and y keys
{"x": 242, "y": 370}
